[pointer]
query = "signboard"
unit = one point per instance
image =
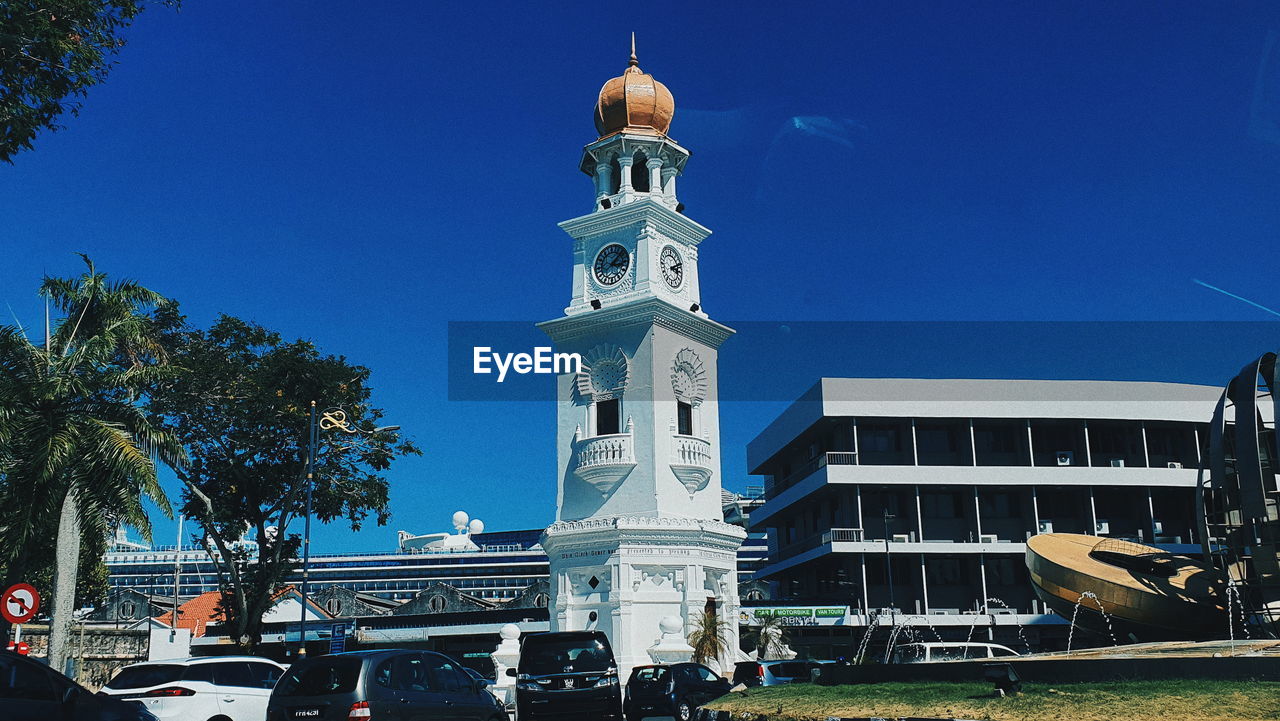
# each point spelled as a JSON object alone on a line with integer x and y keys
{"x": 338, "y": 638}
{"x": 19, "y": 603}
{"x": 797, "y": 615}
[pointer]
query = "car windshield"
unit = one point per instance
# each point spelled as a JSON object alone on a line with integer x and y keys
{"x": 790, "y": 669}
{"x": 564, "y": 655}
{"x": 649, "y": 675}
{"x": 322, "y": 677}
{"x": 908, "y": 654}
{"x": 960, "y": 651}
{"x": 146, "y": 676}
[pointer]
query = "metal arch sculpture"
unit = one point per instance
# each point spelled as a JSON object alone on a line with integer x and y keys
{"x": 1239, "y": 498}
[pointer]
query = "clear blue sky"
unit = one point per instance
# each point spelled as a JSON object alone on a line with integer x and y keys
{"x": 360, "y": 174}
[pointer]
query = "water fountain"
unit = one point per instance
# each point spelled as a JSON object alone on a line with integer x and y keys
{"x": 1234, "y": 604}
{"x": 1022, "y": 636}
{"x": 1105, "y": 617}
{"x": 872, "y": 621}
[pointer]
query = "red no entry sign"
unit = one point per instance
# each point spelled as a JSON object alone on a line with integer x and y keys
{"x": 19, "y": 603}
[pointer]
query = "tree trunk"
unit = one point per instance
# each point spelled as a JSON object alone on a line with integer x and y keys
{"x": 67, "y": 562}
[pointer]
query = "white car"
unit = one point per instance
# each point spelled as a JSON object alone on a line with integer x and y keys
{"x": 211, "y": 688}
{"x": 957, "y": 651}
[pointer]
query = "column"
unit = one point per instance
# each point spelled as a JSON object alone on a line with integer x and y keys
{"x": 669, "y": 184}
{"x": 604, "y": 178}
{"x": 624, "y": 174}
{"x": 655, "y": 175}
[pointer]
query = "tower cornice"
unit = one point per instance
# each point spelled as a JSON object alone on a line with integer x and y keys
{"x": 666, "y": 221}
{"x": 644, "y": 311}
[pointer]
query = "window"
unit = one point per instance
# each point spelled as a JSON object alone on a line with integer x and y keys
{"x": 323, "y": 677}
{"x": 1001, "y": 572}
{"x": 237, "y": 673}
{"x": 944, "y": 571}
{"x": 442, "y": 675}
{"x": 406, "y": 672}
{"x": 607, "y": 417}
{"x": 938, "y": 505}
{"x": 151, "y": 675}
{"x": 24, "y": 681}
{"x": 707, "y": 674}
{"x": 1000, "y": 505}
{"x": 684, "y": 418}
{"x": 266, "y": 674}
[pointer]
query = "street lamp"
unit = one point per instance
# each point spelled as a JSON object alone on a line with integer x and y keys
{"x": 888, "y": 566}
{"x": 332, "y": 418}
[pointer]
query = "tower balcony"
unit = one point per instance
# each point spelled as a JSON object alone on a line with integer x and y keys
{"x": 603, "y": 461}
{"x": 691, "y": 462}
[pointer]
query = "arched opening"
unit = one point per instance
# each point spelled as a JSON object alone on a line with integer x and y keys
{"x": 615, "y": 176}
{"x": 640, "y": 173}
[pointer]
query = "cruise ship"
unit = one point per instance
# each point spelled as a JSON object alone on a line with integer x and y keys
{"x": 493, "y": 566}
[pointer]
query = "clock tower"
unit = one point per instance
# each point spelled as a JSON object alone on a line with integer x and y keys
{"x": 639, "y": 535}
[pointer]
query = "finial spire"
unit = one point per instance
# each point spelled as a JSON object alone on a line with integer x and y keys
{"x": 633, "y": 62}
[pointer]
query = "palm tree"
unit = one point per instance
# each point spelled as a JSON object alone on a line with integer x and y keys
{"x": 770, "y": 638}
{"x": 76, "y": 445}
{"x": 709, "y": 637}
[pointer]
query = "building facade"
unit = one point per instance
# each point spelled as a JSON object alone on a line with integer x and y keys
{"x": 919, "y": 495}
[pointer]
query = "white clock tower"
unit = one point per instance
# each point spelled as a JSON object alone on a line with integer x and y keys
{"x": 639, "y": 533}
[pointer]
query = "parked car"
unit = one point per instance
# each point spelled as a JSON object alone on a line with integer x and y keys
{"x": 567, "y": 675}
{"x": 671, "y": 690}
{"x": 391, "y": 684}
{"x": 772, "y": 673}
{"x": 488, "y": 682}
{"x": 31, "y": 690}
{"x": 234, "y": 688}
{"x": 944, "y": 651}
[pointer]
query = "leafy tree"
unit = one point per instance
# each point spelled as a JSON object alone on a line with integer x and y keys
{"x": 709, "y": 637}
{"x": 51, "y": 53}
{"x": 241, "y": 412}
{"x": 78, "y": 453}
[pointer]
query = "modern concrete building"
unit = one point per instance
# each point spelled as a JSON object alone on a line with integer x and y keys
{"x": 919, "y": 495}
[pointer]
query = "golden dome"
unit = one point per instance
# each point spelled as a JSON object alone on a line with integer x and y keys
{"x": 634, "y": 101}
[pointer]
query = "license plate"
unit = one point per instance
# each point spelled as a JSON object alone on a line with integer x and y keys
{"x": 568, "y": 683}
{"x": 313, "y": 712}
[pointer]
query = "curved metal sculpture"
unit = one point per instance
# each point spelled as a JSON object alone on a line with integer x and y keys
{"x": 1145, "y": 593}
{"x": 1238, "y": 498}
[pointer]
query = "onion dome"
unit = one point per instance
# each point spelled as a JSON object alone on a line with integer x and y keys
{"x": 634, "y": 101}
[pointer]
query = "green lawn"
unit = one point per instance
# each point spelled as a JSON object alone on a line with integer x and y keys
{"x": 1127, "y": 701}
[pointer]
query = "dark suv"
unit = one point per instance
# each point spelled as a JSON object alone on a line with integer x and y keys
{"x": 676, "y": 690}
{"x": 32, "y": 690}
{"x": 390, "y": 684}
{"x": 567, "y": 675}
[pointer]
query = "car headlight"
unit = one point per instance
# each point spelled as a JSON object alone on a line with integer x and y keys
{"x": 607, "y": 681}
{"x": 527, "y": 686}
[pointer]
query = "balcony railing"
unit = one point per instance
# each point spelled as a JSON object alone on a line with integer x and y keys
{"x": 843, "y": 535}
{"x": 603, "y": 461}
{"x": 830, "y": 458}
{"x": 691, "y": 462}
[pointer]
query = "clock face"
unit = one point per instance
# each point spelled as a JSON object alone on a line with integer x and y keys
{"x": 611, "y": 264}
{"x": 672, "y": 266}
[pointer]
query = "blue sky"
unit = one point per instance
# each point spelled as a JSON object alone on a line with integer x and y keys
{"x": 360, "y": 174}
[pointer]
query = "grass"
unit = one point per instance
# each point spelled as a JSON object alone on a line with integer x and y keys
{"x": 1128, "y": 700}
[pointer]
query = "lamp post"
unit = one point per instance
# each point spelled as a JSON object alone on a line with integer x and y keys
{"x": 888, "y": 566}
{"x": 332, "y": 418}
